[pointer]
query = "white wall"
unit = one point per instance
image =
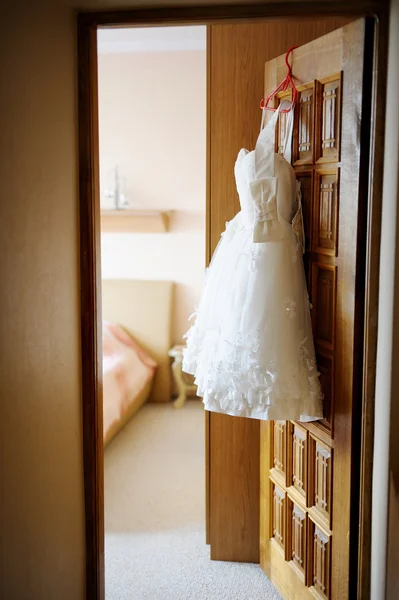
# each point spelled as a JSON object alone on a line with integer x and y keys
{"x": 152, "y": 125}
{"x": 152, "y": 112}
{"x": 176, "y": 256}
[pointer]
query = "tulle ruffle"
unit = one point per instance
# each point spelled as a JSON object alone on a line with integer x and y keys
{"x": 241, "y": 385}
{"x": 251, "y": 346}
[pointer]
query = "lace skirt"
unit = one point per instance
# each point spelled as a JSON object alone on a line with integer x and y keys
{"x": 251, "y": 346}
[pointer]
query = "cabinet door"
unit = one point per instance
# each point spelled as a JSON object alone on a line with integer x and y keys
{"x": 307, "y": 493}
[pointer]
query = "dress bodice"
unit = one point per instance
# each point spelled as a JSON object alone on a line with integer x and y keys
{"x": 286, "y": 192}
{"x": 266, "y": 183}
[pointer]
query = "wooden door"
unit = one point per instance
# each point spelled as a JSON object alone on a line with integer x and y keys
{"x": 309, "y": 471}
{"x": 236, "y": 59}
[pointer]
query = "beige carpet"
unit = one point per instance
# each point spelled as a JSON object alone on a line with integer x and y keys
{"x": 154, "y": 515}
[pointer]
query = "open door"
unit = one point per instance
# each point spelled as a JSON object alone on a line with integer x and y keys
{"x": 309, "y": 472}
{"x": 236, "y": 61}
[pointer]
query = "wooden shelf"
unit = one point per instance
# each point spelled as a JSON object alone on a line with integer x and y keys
{"x": 136, "y": 221}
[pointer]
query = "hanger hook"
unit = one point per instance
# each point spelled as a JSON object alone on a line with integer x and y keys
{"x": 282, "y": 87}
{"x": 289, "y": 66}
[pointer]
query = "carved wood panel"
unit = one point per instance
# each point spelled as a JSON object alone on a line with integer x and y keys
{"x": 298, "y": 454}
{"x": 278, "y": 515}
{"x": 325, "y": 238}
{"x": 279, "y": 450}
{"x": 323, "y": 300}
{"x": 298, "y": 547}
{"x": 297, "y": 532}
{"x": 317, "y": 468}
{"x": 320, "y": 481}
{"x": 328, "y": 121}
{"x": 301, "y": 468}
{"x": 304, "y": 126}
{"x": 319, "y": 562}
{"x": 301, "y": 462}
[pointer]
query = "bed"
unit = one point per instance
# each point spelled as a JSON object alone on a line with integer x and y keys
{"x": 136, "y": 341}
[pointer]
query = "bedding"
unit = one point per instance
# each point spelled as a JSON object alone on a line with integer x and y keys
{"x": 128, "y": 373}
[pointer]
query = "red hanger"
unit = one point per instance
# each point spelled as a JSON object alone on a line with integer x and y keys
{"x": 282, "y": 87}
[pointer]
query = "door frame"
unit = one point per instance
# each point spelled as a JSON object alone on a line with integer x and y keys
{"x": 90, "y": 258}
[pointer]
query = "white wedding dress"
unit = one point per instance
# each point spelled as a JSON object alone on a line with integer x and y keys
{"x": 251, "y": 346}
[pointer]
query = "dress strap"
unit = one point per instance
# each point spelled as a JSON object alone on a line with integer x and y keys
{"x": 265, "y": 145}
{"x": 287, "y": 153}
{"x": 264, "y": 149}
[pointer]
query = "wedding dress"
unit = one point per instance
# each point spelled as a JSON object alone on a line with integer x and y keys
{"x": 251, "y": 346}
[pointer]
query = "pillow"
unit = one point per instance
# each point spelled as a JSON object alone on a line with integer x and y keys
{"x": 125, "y": 338}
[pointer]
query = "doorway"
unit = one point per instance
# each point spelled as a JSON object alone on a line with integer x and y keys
{"x": 152, "y": 151}
{"x": 222, "y": 472}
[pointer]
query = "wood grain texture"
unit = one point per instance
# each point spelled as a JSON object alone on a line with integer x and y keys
{"x": 213, "y": 13}
{"x": 338, "y": 292}
{"x": 238, "y": 56}
{"x": 234, "y": 502}
{"x": 90, "y": 273}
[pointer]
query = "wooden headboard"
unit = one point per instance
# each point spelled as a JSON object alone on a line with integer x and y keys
{"x": 144, "y": 308}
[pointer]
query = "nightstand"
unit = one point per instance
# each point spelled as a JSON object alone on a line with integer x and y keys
{"x": 183, "y": 386}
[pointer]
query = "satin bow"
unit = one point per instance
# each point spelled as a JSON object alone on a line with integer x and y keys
{"x": 266, "y": 227}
